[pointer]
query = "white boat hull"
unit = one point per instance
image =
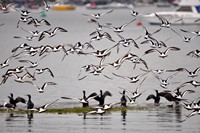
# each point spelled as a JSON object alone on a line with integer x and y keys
{"x": 185, "y": 18}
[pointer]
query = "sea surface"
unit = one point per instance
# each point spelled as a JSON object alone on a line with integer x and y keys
{"x": 66, "y": 74}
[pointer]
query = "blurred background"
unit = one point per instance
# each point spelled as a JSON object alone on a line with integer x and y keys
{"x": 35, "y": 4}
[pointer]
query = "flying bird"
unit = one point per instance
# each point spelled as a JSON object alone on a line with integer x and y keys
{"x": 5, "y": 7}
{"x": 190, "y": 73}
{"x": 41, "y": 89}
{"x": 42, "y": 70}
{"x": 185, "y": 39}
{"x": 131, "y": 79}
{"x": 47, "y": 6}
{"x": 52, "y": 33}
{"x": 43, "y": 108}
{"x": 37, "y": 22}
{"x": 97, "y": 15}
{"x": 162, "y": 54}
{"x": 126, "y": 42}
{"x": 119, "y": 29}
{"x": 194, "y": 53}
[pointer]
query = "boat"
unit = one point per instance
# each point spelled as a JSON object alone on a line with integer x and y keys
{"x": 63, "y": 7}
{"x": 105, "y": 4}
{"x": 188, "y": 11}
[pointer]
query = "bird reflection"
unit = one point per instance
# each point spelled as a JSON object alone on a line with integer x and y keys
{"x": 29, "y": 118}
{"x": 9, "y": 117}
{"x": 13, "y": 117}
{"x": 178, "y": 113}
{"x": 123, "y": 114}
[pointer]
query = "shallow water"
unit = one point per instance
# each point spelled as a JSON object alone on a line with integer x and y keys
{"x": 66, "y": 73}
{"x": 124, "y": 121}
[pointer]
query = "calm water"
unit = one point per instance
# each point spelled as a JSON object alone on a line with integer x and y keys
{"x": 66, "y": 73}
{"x": 130, "y": 121}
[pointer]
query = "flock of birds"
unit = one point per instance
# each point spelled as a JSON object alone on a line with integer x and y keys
{"x": 23, "y": 74}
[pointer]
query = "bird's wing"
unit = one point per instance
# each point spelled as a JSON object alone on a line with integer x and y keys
{"x": 107, "y": 93}
{"x": 20, "y": 99}
{"x": 46, "y": 105}
{"x": 42, "y": 35}
{"x": 46, "y": 22}
{"x": 106, "y": 12}
{"x": 124, "y": 25}
{"x": 140, "y": 84}
{"x": 49, "y": 70}
{"x": 26, "y": 61}
{"x": 197, "y": 69}
{"x": 151, "y": 96}
{"x": 92, "y": 96}
{"x": 151, "y": 51}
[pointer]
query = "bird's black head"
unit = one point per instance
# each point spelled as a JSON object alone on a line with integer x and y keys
{"x": 11, "y": 94}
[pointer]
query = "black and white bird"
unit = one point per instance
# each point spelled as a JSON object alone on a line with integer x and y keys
{"x": 41, "y": 89}
{"x": 194, "y": 112}
{"x": 154, "y": 43}
{"x": 42, "y": 70}
{"x": 185, "y": 39}
{"x": 99, "y": 36}
{"x": 197, "y": 33}
{"x": 84, "y": 100}
{"x": 18, "y": 69}
{"x": 52, "y": 33}
{"x": 109, "y": 105}
{"x": 100, "y": 26}
{"x": 95, "y": 70}
{"x": 29, "y": 38}
{"x": 119, "y": 29}
{"x": 5, "y": 7}
{"x": 147, "y": 34}
{"x": 135, "y": 94}
{"x": 24, "y": 20}
{"x": 180, "y": 94}
{"x": 97, "y": 15}
{"x": 20, "y": 79}
{"x": 25, "y": 12}
{"x": 37, "y": 22}
{"x": 43, "y": 108}
{"x": 47, "y": 7}
{"x": 98, "y": 110}
{"x": 8, "y": 106}
{"x": 21, "y": 46}
{"x": 164, "y": 53}
{"x": 6, "y": 62}
{"x": 126, "y": 42}
{"x": 136, "y": 61}
{"x": 190, "y": 73}
{"x": 164, "y": 22}
{"x": 165, "y": 82}
{"x": 116, "y": 64}
{"x": 34, "y": 33}
{"x": 78, "y": 47}
{"x": 133, "y": 12}
{"x": 194, "y": 53}
{"x": 33, "y": 64}
{"x": 102, "y": 54}
{"x": 191, "y": 82}
{"x": 131, "y": 79}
